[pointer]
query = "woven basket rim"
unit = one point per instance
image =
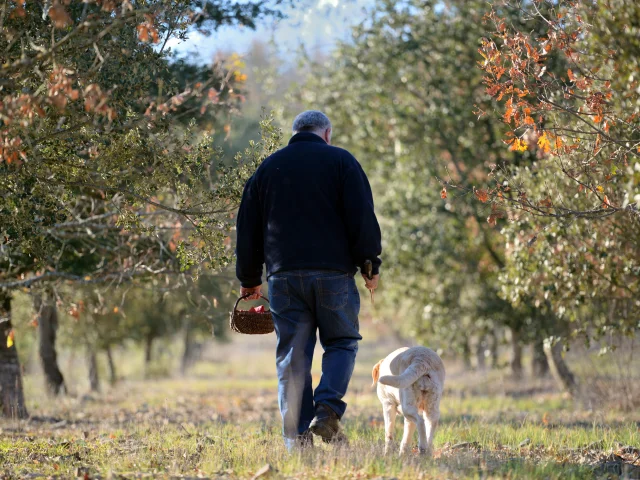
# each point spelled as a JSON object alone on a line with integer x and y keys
{"x": 251, "y": 323}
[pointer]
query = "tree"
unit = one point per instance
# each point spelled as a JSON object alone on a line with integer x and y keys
{"x": 584, "y": 118}
{"x": 97, "y": 185}
{"x": 11, "y": 397}
{"x": 47, "y": 317}
{"x": 573, "y": 241}
{"x": 401, "y": 96}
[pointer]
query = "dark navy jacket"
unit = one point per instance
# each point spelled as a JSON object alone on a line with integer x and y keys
{"x": 308, "y": 206}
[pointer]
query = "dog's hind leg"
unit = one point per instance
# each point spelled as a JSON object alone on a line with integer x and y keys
{"x": 413, "y": 420}
{"x": 409, "y": 430}
{"x": 389, "y": 411}
{"x": 431, "y": 419}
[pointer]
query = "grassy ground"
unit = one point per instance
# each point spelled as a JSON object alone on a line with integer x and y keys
{"x": 223, "y": 422}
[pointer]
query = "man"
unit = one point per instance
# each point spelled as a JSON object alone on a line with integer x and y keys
{"x": 307, "y": 213}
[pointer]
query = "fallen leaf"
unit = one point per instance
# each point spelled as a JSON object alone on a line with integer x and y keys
{"x": 525, "y": 442}
{"x": 263, "y": 472}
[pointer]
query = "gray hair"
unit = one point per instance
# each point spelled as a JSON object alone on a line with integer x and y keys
{"x": 311, "y": 121}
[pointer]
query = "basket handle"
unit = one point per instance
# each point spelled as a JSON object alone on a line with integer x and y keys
{"x": 246, "y": 296}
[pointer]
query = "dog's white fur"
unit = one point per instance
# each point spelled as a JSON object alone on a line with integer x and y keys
{"x": 410, "y": 382}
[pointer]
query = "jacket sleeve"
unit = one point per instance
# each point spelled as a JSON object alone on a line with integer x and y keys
{"x": 249, "y": 242}
{"x": 362, "y": 225}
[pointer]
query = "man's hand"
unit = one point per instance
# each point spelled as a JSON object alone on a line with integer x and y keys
{"x": 371, "y": 284}
{"x": 254, "y": 292}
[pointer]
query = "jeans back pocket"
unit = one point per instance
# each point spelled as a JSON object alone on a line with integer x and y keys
{"x": 334, "y": 291}
{"x": 278, "y": 294}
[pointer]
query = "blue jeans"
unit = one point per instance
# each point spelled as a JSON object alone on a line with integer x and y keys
{"x": 303, "y": 301}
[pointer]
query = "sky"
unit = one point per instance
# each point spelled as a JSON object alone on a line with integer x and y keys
{"x": 317, "y": 25}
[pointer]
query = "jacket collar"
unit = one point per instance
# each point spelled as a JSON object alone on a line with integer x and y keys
{"x": 306, "y": 137}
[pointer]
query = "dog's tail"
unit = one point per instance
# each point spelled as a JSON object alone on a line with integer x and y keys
{"x": 407, "y": 378}
{"x": 375, "y": 373}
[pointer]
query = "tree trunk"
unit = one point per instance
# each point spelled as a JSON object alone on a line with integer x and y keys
{"x": 187, "y": 354}
{"x": 11, "y": 393}
{"x": 47, "y": 328}
{"x": 480, "y": 349}
{"x": 553, "y": 349}
{"x": 148, "y": 353}
{"x": 148, "y": 349}
{"x": 466, "y": 354}
{"x": 493, "y": 349}
{"x": 539, "y": 363}
{"x": 516, "y": 353}
{"x": 94, "y": 379}
{"x": 113, "y": 378}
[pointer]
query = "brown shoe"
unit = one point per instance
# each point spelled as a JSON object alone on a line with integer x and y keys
{"x": 326, "y": 425}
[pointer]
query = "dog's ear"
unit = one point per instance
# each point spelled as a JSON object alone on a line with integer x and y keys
{"x": 375, "y": 373}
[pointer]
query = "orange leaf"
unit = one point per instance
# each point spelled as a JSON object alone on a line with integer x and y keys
{"x": 143, "y": 32}
{"x": 543, "y": 143}
{"x": 443, "y": 193}
{"x": 558, "y": 142}
{"x": 518, "y": 145}
{"x": 572, "y": 77}
{"x": 508, "y": 114}
{"x": 212, "y": 95}
{"x": 546, "y": 203}
{"x": 59, "y": 16}
{"x": 18, "y": 12}
{"x": 482, "y": 195}
{"x": 545, "y": 418}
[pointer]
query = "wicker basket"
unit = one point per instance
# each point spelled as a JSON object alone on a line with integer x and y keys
{"x": 251, "y": 323}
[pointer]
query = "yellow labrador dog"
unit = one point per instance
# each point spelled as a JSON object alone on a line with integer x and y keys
{"x": 410, "y": 382}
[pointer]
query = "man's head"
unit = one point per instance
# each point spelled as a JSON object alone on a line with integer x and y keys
{"x": 315, "y": 122}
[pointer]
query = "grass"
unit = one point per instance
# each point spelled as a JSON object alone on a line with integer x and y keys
{"x": 223, "y": 422}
